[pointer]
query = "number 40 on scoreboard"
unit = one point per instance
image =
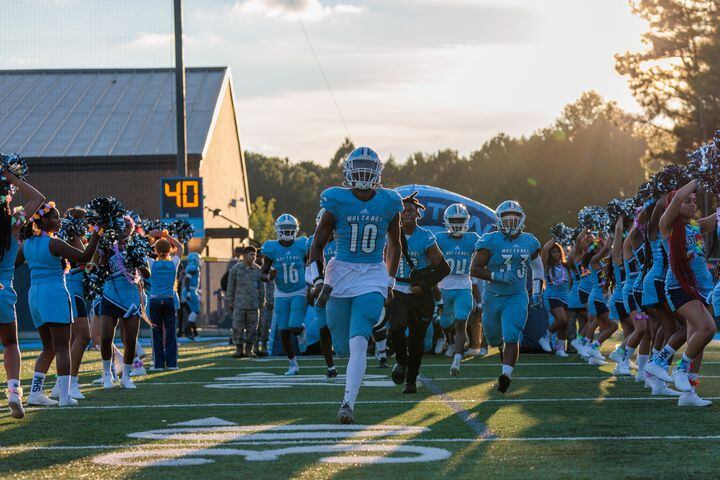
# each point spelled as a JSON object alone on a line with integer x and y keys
{"x": 182, "y": 197}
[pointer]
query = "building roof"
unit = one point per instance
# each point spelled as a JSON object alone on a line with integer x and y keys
{"x": 100, "y": 113}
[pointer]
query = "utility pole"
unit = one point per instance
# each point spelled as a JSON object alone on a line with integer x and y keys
{"x": 180, "y": 120}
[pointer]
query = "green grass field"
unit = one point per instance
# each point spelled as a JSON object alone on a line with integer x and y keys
{"x": 561, "y": 419}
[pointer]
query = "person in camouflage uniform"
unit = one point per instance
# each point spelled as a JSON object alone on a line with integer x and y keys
{"x": 265, "y": 317}
{"x": 246, "y": 297}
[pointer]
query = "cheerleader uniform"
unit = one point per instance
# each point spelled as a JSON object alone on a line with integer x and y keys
{"x": 48, "y": 298}
{"x": 617, "y": 306}
{"x": 74, "y": 282}
{"x": 557, "y": 293}
{"x": 585, "y": 286}
{"x": 574, "y": 297}
{"x": 653, "y": 288}
{"x": 8, "y": 297}
{"x": 632, "y": 272}
{"x": 597, "y": 296}
{"x": 121, "y": 294}
{"x": 695, "y": 248}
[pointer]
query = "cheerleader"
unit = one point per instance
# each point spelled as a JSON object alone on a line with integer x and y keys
{"x": 617, "y": 305}
{"x": 577, "y": 316}
{"x": 191, "y": 293}
{"x": 49, "y": 299}
{"x": 161, "y": 303}
{"x": 556, "y": 295}
{"x": 589, "y": 245}
{"x": 80, "y": 330}
{"x": 121, "y": 300}
{"x": 687, "y": 284}
{"x": 10, "y": 226}
{"x": 599, "y": 305}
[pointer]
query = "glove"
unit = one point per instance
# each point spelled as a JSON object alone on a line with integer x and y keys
{"x": 506, "y": 276}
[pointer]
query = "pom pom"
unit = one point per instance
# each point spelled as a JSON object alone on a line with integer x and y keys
{"x": 106, "y": 211}
{"x": 670, "y": 178}
{"x": 94, "y": 280}
{"x": 15, "y": 164}
{"x": 182, "y": 230}
{"x": 704, "y": 165}
{"x": 594, "y": 218}
{"x": 563, "y": 234}
{"x": 136, "y": 252}
{"x": 71, "y": 227}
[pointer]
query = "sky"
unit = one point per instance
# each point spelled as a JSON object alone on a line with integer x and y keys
{"x": 407, "y": 75}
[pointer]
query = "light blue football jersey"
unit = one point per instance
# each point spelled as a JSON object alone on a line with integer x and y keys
{"x": 458, "y": 251}
{"x": 328, "y": 251}
{"x": 417, "y": 245}
{"x": 361, "y": 227}
{"x": 511, "y": 256}
{"x": 289, "y": 263}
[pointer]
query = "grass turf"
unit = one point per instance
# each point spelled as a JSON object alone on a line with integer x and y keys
{"x": 561, "y": 418}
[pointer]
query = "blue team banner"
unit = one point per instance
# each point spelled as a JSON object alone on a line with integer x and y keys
{"x": 436, "y": 200}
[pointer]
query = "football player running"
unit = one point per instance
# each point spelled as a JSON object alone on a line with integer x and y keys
{"x": 284, "y": 263}
{"x": 503, "y": 258}
{"x": 458, "y": 247}
{"x": 358, "y": 282}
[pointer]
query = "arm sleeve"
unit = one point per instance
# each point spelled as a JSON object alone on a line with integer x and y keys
{"x": 329, "y": 202}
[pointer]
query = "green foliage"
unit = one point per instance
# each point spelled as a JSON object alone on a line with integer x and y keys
{"x": 676, "y": 76}
{"x": 262, "y": 220}
{"x": 589, "y": 155}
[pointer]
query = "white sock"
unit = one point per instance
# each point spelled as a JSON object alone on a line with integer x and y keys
{"x": 13, "y": 383}
{"x": 381, "y": 346}
{"x": 641, "y": 361}
{"x": 357, "y": 363}
{"x": 139, "y": 351}
{"x": 126, "y": 371}
{"x": 457, "y": 358}
{"x": 507, "y": 370}
{"x": 106, "y": 367}
{"x": 117, "y": 356}
{"x": 63, "y": 382}
{"x": 73, "y": 381}
{"x": 37, "y": 382}
{"x": 293, "y": 362}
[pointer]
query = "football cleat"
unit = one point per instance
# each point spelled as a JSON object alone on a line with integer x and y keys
{"x": 40, "y": 399}
{"x": 345, "y": 414}
{"x": 331, "y": 373}
{"x": 455, "y": 369}
{"x": 382, "y": 363}
{"x": 503, "y": 383}
{"x": 691, "y": 399}
{"x": 410, "y": 388}
{"x": 398, "y": 374}
{"x": 292, "y": 371}
{"x": 658, "y": 371}
{"x": 681, "y": 380}
{"x": 14, "y": 396}
{"x": 440, "y": 346}
{"x": 544, "y": 342}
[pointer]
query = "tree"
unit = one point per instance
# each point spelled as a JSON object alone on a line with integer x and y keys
{"x": 676, "y": 76}
{"x": 262, "y": 219}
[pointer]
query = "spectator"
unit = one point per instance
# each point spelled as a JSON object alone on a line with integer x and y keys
{"x": 245, "y": 296}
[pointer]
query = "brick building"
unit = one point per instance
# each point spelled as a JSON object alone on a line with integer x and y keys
{"x": 87, "y": 133}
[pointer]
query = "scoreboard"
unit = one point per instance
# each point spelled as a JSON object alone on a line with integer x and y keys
{"x": 182, "y": 197}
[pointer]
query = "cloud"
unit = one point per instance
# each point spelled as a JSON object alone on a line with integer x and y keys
{"x": 307, "y": 10}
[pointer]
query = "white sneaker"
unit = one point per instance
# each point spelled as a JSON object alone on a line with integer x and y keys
{"x": 596, "y": 361}
{"x": 594, "y": 351}
{"x": 691, "y": 399}
{"x": 138, "y": 371}
{"x": 99, "y": 380}
{"x": 560, "y": 351}
{"x": 455, "y": 369}
{"x": 75, "y": 392}
{"x": 108, "y": 381}
{"x": 472, "y": 352}
{"x": 173, "y": 368}
{"x": 483, "y": 352}
{"x": 544, "y": 342}
{"x": 576, "y": 344}
{"x": 69, "y": 402}
{"x": 649, "y": 380}
{"x": 681, "y": 380}
{"x": 292, "y": 371}
{"x": 14, "y": 396}
{"x": 127, "y": 383}
{"x": 440, "y": 346}
{"x": 660, "y": 388}
{"x": 658, "y": 371}
{"x": 617, "y": 355}
{"x": 140, "y": 351}
{"x": 583, "y": 351}
{"x": 450, "y": 351}
{"x": 40, "y": 399}
{"x": 640, "y": 375}
{"x": 154, "y": 369}
{"x": 55, "y": 392}
{"x": 622, "y": 368}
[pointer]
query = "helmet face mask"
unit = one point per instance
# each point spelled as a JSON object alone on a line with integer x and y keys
{"x": 510, "y": 218}
{"x": 456, "y": 219}
{"x": 286, "y": 227}
{"x": 363, "y": 169}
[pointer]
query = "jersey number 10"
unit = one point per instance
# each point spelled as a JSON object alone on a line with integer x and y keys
{"x": 368, "y": 239}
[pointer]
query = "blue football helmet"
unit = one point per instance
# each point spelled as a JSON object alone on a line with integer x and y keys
{"x": 510, "y": 218}
{"x": 362, "y": 169}
{"x": 286, "y": 227}
{"x": 456, "y": 219}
